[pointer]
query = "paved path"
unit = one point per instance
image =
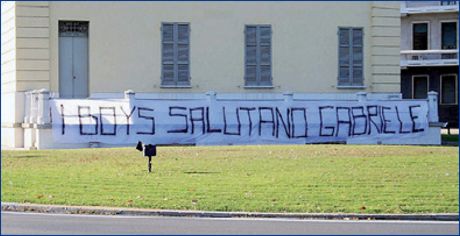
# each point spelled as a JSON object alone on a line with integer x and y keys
{"x": 37, "y": 223}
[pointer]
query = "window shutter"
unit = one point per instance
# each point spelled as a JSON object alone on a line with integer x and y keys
{"x": 183, "y": 70}
{"x": 167, "y": 32}
{"x": 251, "y": 32}
{"x": 350, "y": 57}
{"x": 250, "y": 70}
{"x": 167, "y": 54}
{"x": 357, "y": 57}
{"x": 265, "y": 67}
{"x": 175, "y": 54}
{"x": 344, "y": 56}
{"x": 258, "y": 68}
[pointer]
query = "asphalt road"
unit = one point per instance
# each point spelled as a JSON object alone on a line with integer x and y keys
{"x": 34, "y": 223}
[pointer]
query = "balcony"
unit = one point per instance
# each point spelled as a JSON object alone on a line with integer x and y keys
{"x": 420, "y": 7}
{"x": 414, "y": 58}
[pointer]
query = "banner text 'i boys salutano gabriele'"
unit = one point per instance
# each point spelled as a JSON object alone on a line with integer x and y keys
{"x": 233, "y": 122}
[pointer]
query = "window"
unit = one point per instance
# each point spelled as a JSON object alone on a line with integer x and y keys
{"x": 449, "y": 35}
{"x": 420, "y": 86}
{"x": 420, "y": 36}
{"x": 258, "y": 55}
{"x": 350, "y": 57}
{"x": 448, "y": 3}
{"x": 175, "y": 58}
{"x": 449, "y": 89}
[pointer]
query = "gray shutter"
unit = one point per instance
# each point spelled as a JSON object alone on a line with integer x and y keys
{"x": 357, "y": 53}
{"x": 344, "y": 56}
{"x": 265, "y": 57}
{"x": 167, "y": 54}
{"x": 351, "y": 56}
{"x": 258, "y": 65}
{"x": 250, "y": 66}
{"x": 183, "y": 57}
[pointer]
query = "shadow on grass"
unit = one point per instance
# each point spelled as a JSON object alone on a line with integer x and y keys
{"x": 27, "y": 156}
{"x": 202, "y": 172}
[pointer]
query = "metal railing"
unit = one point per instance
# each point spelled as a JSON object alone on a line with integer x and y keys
{"x": 413, "y": 7}
{"x": 429, "y": 57}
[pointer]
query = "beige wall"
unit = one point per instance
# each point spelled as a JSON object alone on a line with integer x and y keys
{"x": 386, "y": 36}
{"x": 27, "y": 46}
{"x": 8, "y": 47}
{"x": 125, "y": 43}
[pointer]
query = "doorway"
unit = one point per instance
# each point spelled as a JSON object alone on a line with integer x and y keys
{"x": 73, "y": 59}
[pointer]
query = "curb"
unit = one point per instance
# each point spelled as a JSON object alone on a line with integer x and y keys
{"x": 62, "y": 209}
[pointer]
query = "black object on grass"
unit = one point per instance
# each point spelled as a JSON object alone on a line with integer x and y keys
{"x": 149, "y": 151}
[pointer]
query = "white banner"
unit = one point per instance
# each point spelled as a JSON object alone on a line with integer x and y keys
{"x": 223, "y": 122}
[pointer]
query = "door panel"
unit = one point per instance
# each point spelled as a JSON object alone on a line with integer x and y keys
{"x": 65, "y": 67}
{"x": 73, "y": 59}
{"x": 80, "y": 66}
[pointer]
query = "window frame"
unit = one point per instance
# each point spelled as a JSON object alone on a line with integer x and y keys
{"x": 428, "y": 34}
{"x": 258, "y": 64}
{"x": 440, "y": 29}
{"x": 351, "y": 85}
{"x": 427, "y": 85}
{"x": 175, "y": 43}
{"x": 456, "y": 89}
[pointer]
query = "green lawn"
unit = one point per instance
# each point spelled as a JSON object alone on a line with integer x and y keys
{"x": 302, "y": 178}
{"x": 450, "y": 137}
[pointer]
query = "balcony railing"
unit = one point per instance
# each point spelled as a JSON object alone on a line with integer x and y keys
{"x": 429, "y": 58}
{"x": 414, "y": 7}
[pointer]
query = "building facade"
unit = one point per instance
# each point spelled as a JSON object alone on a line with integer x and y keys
{"x": 80, "y": 50}
{"x": 429, "y": 54}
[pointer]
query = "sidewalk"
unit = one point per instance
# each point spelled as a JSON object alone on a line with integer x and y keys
{"x": 92, "y": 210}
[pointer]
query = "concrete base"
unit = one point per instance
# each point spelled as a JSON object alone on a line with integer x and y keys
{"x": 12, "y": 137}
{"x": 29, "y": 139}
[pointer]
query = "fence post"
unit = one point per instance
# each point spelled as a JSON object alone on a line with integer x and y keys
{"x": 288, "y": 97}
{"x": 33, "y": 107}
{"x": 361, "y": 96}
{"x": 130, "y": 95}
{"x": 433, "y": 106}
{"x": 211, "y": 95}
{"x": 43, "y": 106}
{"x": 27, "y": 106}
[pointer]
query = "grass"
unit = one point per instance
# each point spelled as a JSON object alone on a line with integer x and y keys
{"x": 450, "y": 137}
{"x": 302, "y": 178}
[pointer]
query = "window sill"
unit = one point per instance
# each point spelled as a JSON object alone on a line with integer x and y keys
{"x": 351, "y": 87}
{"x": 258, "y": 87}
{"x": 176, "y": 86}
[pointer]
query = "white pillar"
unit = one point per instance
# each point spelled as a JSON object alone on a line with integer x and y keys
{"x": 43, "y": 111}
{"x": 27, "y": 107}
{"x": 433, "y": 106}
{"x": 288, "y": 97}
{"x": 211, "y": 95}
{"x": 33, "y": 107}
{"x": 130, "y": 94}
{"x": 361, "y": 96}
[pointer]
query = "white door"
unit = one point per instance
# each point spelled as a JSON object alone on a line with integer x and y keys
{"x": 73, "y": 59}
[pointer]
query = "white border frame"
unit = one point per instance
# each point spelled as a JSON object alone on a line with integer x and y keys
{"x": 427, "y": 84}
{"x": 440, "y": 89}
{"x": 428, "y": 34}
{"x": 440, "y": 30}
